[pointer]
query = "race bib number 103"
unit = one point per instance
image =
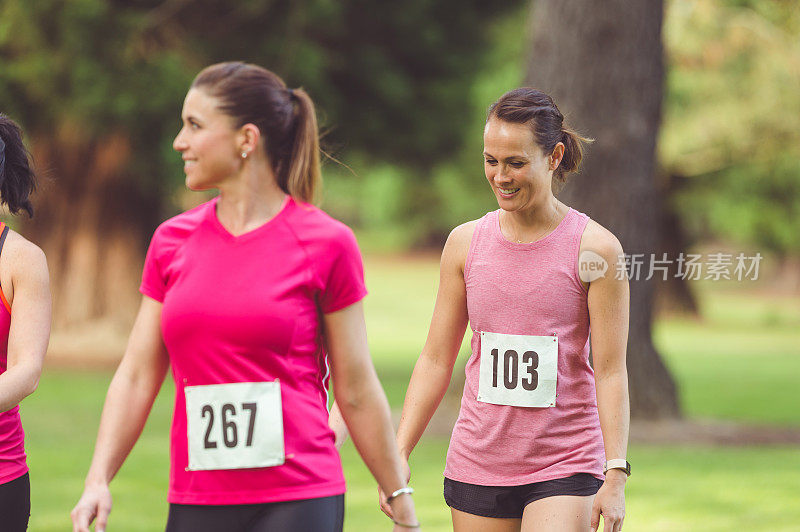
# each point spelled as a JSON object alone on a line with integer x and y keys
{"x": 518, "y": 370}
{"x": 234, "y": 426}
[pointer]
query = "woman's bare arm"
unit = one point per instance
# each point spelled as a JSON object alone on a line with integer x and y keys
{"x": 128, "y": 402}
{"x": 30, "y": 320}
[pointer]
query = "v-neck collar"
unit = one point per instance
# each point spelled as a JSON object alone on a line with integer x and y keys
{"x": 288, "y": 204}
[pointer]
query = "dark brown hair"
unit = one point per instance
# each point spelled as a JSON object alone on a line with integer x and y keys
{"x": 251, "y": 94}
{"x": 536, "y": 109}
{"x": 17, "y": 180}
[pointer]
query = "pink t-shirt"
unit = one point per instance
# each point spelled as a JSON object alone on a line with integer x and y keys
{"x": 528, "y": 289}
{"x": 248, "y": 308}
{"x": 12, "y": 439}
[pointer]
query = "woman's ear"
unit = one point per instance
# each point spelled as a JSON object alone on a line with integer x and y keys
{"x": 556, "y": 156}
{"x": 249, "y": 135}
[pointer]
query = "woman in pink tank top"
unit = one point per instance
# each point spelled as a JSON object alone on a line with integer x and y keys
{"x": 541, "y": 438}
{"x": 24, "y": 326}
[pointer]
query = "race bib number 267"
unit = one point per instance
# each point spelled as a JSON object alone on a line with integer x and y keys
{"x": 518, "y": 370}
{"x": 234, "y": 426}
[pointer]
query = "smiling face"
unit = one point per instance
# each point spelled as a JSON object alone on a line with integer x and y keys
{"x": 518, "y": 171}
{"x": 208, "y": 142}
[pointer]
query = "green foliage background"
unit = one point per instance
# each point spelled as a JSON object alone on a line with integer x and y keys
{"x": 402, "y": 91}
{"x": 731, "y": 127}
{"x": 391, "y": 82}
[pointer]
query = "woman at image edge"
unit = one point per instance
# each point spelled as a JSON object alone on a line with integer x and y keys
{"x": 536, "y": 422}
{"x": 243, "y": 296}
{"x": 24, "y": 326}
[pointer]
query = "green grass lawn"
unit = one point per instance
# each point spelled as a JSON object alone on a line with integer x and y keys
{"x": 697, "y": 489}
{"x": 740, "y": 363}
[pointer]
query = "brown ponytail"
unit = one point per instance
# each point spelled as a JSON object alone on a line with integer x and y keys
{"x": 251, "y": 94}
{"x": 303, "y": 176}
{"x": 17, "y": 180}
{"x": 573, "y": 152}
{"x": 538, "y": 110}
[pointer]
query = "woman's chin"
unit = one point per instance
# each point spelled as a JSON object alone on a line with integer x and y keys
{"x": 196, "y": 185}
{"x": 507, "y": 204}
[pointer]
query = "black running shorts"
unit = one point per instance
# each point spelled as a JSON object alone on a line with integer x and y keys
{"x": 325, "y": 514}
{"x": 510, "y": 501}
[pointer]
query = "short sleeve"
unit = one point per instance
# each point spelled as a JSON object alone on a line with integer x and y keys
{"x": 153, "y": 281}
{"x": 343, "y": 282}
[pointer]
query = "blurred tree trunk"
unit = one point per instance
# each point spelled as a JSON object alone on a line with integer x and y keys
{"x": 602, "y": 63}
{"x": 673, "y": 295}
{"x": 93, "y": 221}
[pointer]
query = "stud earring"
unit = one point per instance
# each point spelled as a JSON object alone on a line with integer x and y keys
{"x": 244, "y": 155}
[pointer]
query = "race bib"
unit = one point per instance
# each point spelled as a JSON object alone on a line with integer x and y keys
{"x": 518, "y": 370}
{"x": 234, "y": 426}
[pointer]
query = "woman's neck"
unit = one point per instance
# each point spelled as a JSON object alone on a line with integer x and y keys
{"x": 249, "y": 201}
{"x": 533, "y": 223}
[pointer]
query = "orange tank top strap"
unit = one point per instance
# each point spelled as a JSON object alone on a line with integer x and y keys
{"x": 3, "y": 235}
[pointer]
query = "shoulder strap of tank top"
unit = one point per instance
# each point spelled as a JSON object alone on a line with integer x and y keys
{"x": 577, "y": 225}
{"x": 480, "y": 228}
{"x": 577, "y": 221}
{"x": 3, "y": 235}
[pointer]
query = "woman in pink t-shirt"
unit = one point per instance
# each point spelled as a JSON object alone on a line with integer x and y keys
{"x": 539, "y": 429}
{"x": 244, "y": 297}
{"x": 24, "y": 326}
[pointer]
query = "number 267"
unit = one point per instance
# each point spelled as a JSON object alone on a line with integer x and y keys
{"x": 230, "y": 432}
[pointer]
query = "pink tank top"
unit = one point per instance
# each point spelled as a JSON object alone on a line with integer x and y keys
{"x": 530, "y": 289}
{"x": 12, "y": 446}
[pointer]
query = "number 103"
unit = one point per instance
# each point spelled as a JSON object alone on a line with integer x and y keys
{"x": 530, "y": 359}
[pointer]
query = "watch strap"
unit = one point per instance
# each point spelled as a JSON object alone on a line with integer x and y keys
{"x": 617, "y": 463}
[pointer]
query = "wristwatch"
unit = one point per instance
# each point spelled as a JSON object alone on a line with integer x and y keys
{"x": 617, "y": 463}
